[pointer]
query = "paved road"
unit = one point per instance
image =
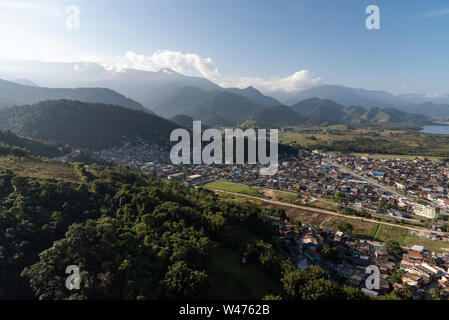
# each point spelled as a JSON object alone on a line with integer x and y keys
{"x": 371, "y": 181}
{"x": 376, "y": 183}
{"x": 416, "y": 229}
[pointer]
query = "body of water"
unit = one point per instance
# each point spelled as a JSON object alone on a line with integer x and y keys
{"x": 436, "y": 129}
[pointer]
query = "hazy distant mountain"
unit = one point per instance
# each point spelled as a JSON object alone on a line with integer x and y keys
{"x": 328, "y": 112}
{"x": 391, "y": 116}
{"x": 320, "y": 111}
{"x": 429, "y": 109}
{"x": 25, "y": 82}
{"x": 182, "y": 100}
{"x": 224, "y": 109}
{"x": 228, "y": 109}
{"x": 88, "y": 125}
{"x": 277, "y": 116}
{"x": 12, "y": 94}
{"x": 187, "y": 98}
{"x": 163, "y": 91}
{"x": 350, "y": 96}
{"x": 255, "y": 96}
{"x": 151, "y": 89}
{"x": 5, "y": 102}
{"x": 182, "y": 120}
{"x": 415, "y": 98}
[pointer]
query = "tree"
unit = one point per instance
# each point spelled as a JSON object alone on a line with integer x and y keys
{"x": 311, "y": 284}
{"x": 396, "y": 276}
{"x": 271, "y": 297}
{"x": 345, "y": 227}
{"x": 435, "y": 293}
{"x": 184, "y": 282}
{"x": 394, "y": 248}
{"x": 354, "y": 294}
{"x": 330, "y": 254}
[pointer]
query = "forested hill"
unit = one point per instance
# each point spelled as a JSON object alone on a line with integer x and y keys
{"x": 12, "y": 93}
{"x": 35, "y": 147}
{"x": 135, "y": 237}
{"x": 85, "y": 125}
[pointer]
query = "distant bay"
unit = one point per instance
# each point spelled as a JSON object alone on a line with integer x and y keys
{"x": 435, "y": 129}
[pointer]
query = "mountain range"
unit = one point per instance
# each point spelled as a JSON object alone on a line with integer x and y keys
{"x": 228, "y": 109}
{"x": 428, "y": 108}
{"x": 12, "y": 93}
{"x": 157, "y": 90}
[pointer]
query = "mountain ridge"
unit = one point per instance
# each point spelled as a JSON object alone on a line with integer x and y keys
{"x": 12, "y": 93}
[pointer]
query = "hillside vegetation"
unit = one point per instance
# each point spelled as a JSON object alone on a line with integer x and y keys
{"x": 135, "y": 237}
{"x": 85, "y": 125}
{"x": 35, "y": 147}
{"x": 12, "y": 93}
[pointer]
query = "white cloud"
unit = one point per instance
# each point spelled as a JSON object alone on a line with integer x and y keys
{"x": 187, "y": 63}
{"x": 434, "y": 13}
{"x": 184, "y": 63}
{"x": 192, "y": 63}
{"x": 300, "y": 80}
{"x": 20, "y": 4}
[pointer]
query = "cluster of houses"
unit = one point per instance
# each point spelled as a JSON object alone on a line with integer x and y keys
{"x": 424, "y": 268}
{"x": 310, "y": 173}
{"x": 419, "y": 177}
{"x": 351, "y": 259}
{"x": 144, "y": 156}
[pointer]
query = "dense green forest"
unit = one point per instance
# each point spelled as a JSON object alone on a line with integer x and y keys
{"x": 34, "y": 147}
{"x": 136, "y": 237}
{"x": 85, "y": 125}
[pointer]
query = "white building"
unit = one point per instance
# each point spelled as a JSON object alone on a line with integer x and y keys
{"x": 425, "y": 211}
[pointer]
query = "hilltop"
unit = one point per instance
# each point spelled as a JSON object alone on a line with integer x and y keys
{"x": 85, "y": 125}
{"x": 12, "y": 93}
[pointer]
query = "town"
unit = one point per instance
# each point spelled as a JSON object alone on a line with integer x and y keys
{"x": 346, "y": 260}
{"x": 406, "y": 191}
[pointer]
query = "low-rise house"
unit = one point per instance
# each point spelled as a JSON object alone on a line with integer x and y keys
{"x": 412, "y": 279}
{"x": 381, "y": 254}
{"x": 369, "y": 293}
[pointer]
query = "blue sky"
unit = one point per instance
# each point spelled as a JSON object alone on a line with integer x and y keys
{"x": 247, "y": 41}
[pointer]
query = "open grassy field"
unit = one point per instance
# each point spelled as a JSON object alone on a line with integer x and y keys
{"x": 362, "y": 229}
{"x": 383, "y": 233}
{"x": 368, "y": 140}
{"x": 401, "y": 235}
{"x": 233, "y": 187}
{"x": 283, "y": 196}
{"x": 40, "y": 168}
{"x": 325, "y": 205}
{"x": 306, "y": 216}
{"x": 239, "y": 199}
